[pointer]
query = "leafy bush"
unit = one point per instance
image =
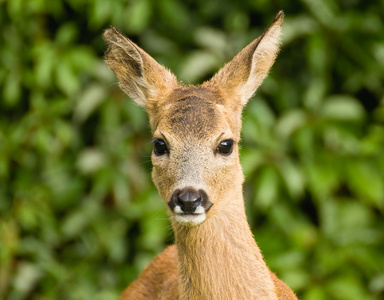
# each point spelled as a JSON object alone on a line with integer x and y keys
{"x": 79, "y": 216}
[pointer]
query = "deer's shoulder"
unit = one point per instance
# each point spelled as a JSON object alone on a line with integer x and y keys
{"x": 159, "y": 279}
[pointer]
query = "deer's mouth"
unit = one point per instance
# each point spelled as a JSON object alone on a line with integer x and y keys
{"x": 190, "y": 219}
{"x": 189, "y": 206}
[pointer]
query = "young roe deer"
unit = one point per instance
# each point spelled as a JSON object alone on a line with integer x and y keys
{"x": 196, "y": 169}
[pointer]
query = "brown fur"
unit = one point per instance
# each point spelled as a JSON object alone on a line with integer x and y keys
{"x": 159, "y": 280}
{"x": 217, "y": 256}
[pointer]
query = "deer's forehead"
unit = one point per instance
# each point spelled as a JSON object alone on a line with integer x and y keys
{"x": 192, "y": 115}
{"x": 195, "y": 111}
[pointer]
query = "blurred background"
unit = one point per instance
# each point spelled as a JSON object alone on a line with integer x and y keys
{"x": 79, "y": 215}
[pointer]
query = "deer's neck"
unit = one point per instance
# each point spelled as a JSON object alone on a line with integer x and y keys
{"x": 219, "y": 259}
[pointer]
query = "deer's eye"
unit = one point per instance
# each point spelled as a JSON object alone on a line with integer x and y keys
{"x": 225, "y": 147}
{"x": 159, "y": 147}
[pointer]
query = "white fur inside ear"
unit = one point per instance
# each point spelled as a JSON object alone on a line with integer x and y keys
{"x": 135, "y": 90}
{"x": 262, "y": 60}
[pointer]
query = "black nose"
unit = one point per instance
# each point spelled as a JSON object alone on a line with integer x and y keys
{"x": 188, "y": 201}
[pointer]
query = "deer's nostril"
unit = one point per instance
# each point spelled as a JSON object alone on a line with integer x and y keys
{"x": 188, "y": 201}
{"x": 188, "y": 197}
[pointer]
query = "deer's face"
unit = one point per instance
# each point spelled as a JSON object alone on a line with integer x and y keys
{"x": 196, "y": 129}
{"x": 195, "y": 154}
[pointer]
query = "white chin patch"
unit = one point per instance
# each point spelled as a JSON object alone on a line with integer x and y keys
{"x": 190, "y": 219}
{"x": 193, "y": 219}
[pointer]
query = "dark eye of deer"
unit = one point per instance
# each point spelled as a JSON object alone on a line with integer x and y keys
{"x": 159, "y": 147}
{"x": 225, "y": 147}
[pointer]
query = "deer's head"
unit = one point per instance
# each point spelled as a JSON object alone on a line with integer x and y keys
{"x": 196, "y": 129}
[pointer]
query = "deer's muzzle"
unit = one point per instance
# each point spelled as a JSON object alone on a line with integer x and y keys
{"x": 189, "y": 205}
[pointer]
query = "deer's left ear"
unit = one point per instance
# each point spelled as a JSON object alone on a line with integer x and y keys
{"x": 140, "y": 76}
{"x": 243, "y": 75}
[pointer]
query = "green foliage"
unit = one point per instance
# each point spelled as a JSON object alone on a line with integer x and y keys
{"x": 79, "y": 216}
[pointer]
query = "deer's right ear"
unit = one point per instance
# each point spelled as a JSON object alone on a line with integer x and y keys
{"x": 140, "y": 76}
{"x": 246, "y": 71}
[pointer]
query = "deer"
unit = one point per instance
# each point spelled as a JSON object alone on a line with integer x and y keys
{"x": 197, "y": 171}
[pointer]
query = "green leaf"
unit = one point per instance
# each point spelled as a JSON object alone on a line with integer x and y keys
{"x": 12, "y": 90}
{"x": 293, "y": 177}
{"x": 267, "y": 187}
{"x": 290, "y": 122}
{"x": 91, "y": 160}
{"x": 91, "y": 98}
{"x": 66, "y": 79}
{"x": 342, "y": 108}
{"x": 66, "y": 34}
{"x": 26, "y": 277}
{"x": 197, "y": 65}
{"x": 322, "y": 178}
{"x": 367, "y": 182}
{"x": 138, "y": 16}
{"x": 346, "y": 287}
